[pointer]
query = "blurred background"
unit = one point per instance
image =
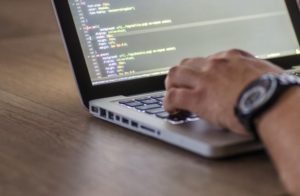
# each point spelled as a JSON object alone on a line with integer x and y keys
{"x": 26, "y": 18}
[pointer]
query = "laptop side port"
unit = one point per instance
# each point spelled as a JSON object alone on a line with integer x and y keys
{"x": 125, "y": 121}
{"x": 134, "y": 124}
{"x": 147, "y": 129}
{"x": 94, "y": 109}
{"x": 111, "y": 115}
{"x": 103, "y": 113}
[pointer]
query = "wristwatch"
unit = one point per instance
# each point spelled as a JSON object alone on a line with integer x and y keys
{"x": 259, "y": 96}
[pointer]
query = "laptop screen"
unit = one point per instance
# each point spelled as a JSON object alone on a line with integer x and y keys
{"x": 131, "y": 39}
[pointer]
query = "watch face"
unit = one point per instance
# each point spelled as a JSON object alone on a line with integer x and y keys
{"x": 257, "y": 94}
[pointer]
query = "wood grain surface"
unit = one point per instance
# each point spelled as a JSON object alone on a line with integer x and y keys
{"x": 49, "y": 145}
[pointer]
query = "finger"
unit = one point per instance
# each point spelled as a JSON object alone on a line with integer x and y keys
{"x": 179, "y": 99}
{"x": 180, "y": 76}
{"x": 298, "y": 2}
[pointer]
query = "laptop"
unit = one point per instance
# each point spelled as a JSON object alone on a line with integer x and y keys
{"x": 121, "y": 51}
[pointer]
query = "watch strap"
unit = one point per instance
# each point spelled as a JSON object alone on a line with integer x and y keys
{"x": 284, "y": 82}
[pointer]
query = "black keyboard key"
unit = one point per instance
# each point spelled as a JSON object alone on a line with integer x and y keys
{"x": 163, "y": 115}
{"x": 148, "y": 107}
{"x": 157, "y": 96}
{"x": 125, "y": 102}
{"x": 155, "y": 111}
{"x": 142, "y": 99}
{"x": 150, "y": 101}
{"x": 160, "y": 99}
{"x": 133, "y": 104}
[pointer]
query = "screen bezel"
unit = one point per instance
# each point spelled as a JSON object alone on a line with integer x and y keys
{"x": 131, "y": 87}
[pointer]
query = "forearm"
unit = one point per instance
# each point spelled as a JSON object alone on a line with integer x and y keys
{"x": 279, "y": 129}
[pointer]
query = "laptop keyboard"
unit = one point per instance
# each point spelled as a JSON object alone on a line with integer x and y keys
{"x": 153, "y": 105}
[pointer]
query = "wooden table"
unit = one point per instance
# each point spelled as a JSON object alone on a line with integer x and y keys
{"x": 49, "y": 145}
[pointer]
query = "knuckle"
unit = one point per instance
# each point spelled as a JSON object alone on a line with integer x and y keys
{"x": 217, "y": 64}
{"x": 208, "y": 67}
{"x": 192, "y": 61}
{"x": 214, "y": 65}
{"x": 177, "y": 71}
{"x": 187, "y": 72}
{"x": 196, "y": 61}
{"x": 173, "y": 71}
{"x": 234, "y": 51}
{"x": 184, "y": 61}
{"x": 238, "y": 52}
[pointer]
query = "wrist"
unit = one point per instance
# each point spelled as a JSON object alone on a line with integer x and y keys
{"x": 279, "y": 115}
{"x": 261, "y": 96}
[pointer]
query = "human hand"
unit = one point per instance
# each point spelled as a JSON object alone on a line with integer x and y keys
{"x": 209, "y": 87}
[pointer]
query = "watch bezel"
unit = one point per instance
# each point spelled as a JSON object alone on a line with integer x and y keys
{"x": 266, "y": 94}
